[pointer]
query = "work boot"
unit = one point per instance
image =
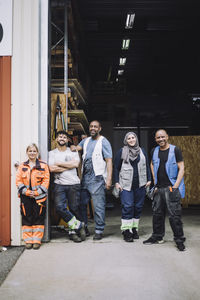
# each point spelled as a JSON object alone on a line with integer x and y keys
{"x": 71, "y": 236}
{"x": 75, "y": 238}
{"x": 153, "y": 240}
{"x": 29, "y": 246}
{"x": 180, "y": 246}
{"x": 87, "y": 233}
{"x": 128, "y": 236}
{"x": 36, "y": 246}
{"x": 81, "y": 232}
{"x": 97, "y": 236}
{"x": 135, "y": 234}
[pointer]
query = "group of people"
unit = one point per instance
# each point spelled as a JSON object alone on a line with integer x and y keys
{"x": 132, "y": 176}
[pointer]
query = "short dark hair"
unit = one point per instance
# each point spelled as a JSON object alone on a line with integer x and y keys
{"x": 62, "y": 132}
{"x": 160, "y": 130}
{"x": 96, "y": 121}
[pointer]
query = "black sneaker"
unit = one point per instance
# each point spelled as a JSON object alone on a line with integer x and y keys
{"x": 153, "y": 240}
{"x": 97, "y": 236}
{"x": 180, "y": 246}
{"x": 87, "y": 233}
{"x": 135, "y": 234}
{"x": 128, "y": 236}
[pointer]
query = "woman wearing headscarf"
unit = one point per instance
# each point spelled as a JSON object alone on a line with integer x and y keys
{"x": 131, "y": 175}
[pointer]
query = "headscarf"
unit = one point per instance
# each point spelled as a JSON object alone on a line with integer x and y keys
{"x": 128, "y": 152}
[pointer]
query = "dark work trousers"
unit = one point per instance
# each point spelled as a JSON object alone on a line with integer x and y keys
{"x": 67, "y": 196}
{"x": 166, "y": 200}
{"x": 32, "y": 213}
{"x": 132, "y": 203}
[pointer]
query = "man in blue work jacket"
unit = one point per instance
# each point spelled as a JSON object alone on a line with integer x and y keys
{"x": 167, "y": 168}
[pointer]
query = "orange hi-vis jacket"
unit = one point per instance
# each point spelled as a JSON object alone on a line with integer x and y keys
{"x": 35, "y": 179}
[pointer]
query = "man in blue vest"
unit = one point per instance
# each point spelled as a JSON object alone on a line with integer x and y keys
{"x": 167, "y": 168}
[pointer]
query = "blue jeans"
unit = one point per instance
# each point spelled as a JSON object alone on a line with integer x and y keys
{"x": 132, "y": 203}
{"x": 99, "y": 203}
{"x": 67, "y": 195}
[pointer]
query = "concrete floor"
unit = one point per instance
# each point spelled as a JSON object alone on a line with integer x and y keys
{"x": 8, "y": 258}
{"x": 110, "y": 269}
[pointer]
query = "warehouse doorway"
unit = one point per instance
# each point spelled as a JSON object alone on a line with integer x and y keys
{"x": 126, "y": 76}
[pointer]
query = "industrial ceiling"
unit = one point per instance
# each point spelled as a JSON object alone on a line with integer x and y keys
{"x": 160, "y": 76}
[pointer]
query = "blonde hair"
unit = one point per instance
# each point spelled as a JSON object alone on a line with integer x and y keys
{"x": 32, "y": 145}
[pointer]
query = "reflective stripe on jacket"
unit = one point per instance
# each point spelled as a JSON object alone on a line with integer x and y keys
{"x": 35, "y": 179}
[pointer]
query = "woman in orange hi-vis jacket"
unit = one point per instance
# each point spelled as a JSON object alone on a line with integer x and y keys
{"x": 32, "y": 181}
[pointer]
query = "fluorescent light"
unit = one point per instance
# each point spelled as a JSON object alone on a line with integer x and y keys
{"x": 129, "y": 21}
{"x": 117, "y": 79}
{"x": 122, "y": 61}
{"x": 120, "y": 72}
{"x": 125, "y": 44}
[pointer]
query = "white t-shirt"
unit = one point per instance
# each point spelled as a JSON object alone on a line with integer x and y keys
{"x": 67, "y": 177}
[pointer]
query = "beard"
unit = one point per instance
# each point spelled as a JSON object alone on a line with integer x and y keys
{"x": 63, "y": 144}
{"x": 94, "y": 135}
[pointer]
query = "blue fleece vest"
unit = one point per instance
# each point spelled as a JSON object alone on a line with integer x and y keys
{"x": 171, "y": 168}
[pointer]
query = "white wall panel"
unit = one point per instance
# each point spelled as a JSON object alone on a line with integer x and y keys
{"x": 24, "y": 113}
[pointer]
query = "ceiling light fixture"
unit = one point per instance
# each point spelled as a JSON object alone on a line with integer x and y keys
{"x": 120, "y": 72}
{"x": 122, "y": 61}
{"x": 129, "y": 21}
{"x": 125, "y": 44}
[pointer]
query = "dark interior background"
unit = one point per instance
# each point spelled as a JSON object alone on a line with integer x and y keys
{"x": 160, "y": 83}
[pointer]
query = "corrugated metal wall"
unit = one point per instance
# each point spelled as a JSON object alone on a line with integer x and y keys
{"x": 5, "y": 150}
{"x": 24, "y": 108}
{"x": 29, "y": 109}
